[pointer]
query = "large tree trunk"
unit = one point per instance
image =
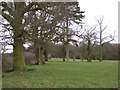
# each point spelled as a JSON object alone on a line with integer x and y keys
{"x": 41, "y": 56}
{"x": 37, "y": 56}
{"x": 18, "y": 29}
{"x": 67, "y": 52}
{"x": 18, "y": 55}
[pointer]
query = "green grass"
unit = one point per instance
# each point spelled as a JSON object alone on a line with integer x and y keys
{"x": 58, "y": 74}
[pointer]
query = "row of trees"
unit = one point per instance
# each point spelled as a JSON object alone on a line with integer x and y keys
{"x": 110, "y": 51}
{"x": 94, "y": 36}
{"x": 37, "y": 23}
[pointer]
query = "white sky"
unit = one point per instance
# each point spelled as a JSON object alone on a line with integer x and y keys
{"x": 96, "y": 8}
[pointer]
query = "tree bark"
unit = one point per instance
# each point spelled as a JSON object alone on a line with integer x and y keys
{"x": 81, "y": 56}
{"x": 41, "y": 56}
{"x": 88, "y": 49}
{"x": 18, "y": 55}
{"x": 100, "y": 53}
{"x": 67, "y": 47}
{"x": 100, "y": 43}
{"x": 64, "y": 52}
{"x": 45, "y": 55}
{"x": 89, "y": 59}
{"x": 37, "y": 56}
{"x": 67, "y": 52}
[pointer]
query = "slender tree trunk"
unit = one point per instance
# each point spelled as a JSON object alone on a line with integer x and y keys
{"x": 18, "y": 55}
{"x": 100, "y": 52}
{"x": 37, "y": 52}
{"x": 67, "y": 47}
{"x": 45, "y": 55}
{"x": 88, "y": 49}
{"x": 81, "y": 56}
{"x": 89, "y": 58}
{"x": 37, "y": 56}
{"x": 41, "y": 56}
{"x": 67, "y": 52}
{"x": 64, "y": 52}
{"x": 100, "y": 44}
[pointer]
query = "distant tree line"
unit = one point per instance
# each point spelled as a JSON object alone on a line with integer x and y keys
{"x": 110, "y": 51}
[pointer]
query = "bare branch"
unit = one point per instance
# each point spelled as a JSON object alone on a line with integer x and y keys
{"x": 104, "y": 28}
{"x": 8, "y": 18}
{"x": 6, "y": 8}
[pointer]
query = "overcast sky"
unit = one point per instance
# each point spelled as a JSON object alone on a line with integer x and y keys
{"x": 96, "y": 8}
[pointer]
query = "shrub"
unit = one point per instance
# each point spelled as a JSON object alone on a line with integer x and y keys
{"x": 7, "y": 62}
{"x": 29, "y": 57}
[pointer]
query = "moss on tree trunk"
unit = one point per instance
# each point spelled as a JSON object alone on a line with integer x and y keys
{"x": 41, "y": 56}
{"x": 18, "y": 56}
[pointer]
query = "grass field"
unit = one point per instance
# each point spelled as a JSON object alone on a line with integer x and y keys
{"x": 58, "y": 74}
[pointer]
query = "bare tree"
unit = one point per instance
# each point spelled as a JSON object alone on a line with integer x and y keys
{"x": 13, "y": 13}
{"x": 82, "y": 50}
{"x": 90, "y": 39}
{"x": 105, "y": 39}
{"x": 42, "y": 27}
